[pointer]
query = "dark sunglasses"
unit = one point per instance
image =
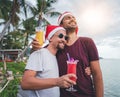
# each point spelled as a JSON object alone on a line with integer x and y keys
{"x": 61, "y": 36}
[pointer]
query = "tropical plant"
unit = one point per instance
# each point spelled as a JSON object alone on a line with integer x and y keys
{"x": 12, "y": 88}
{"x": 13, "y": 40}
{"x": 44, "y": 7}
{"x": 27, "y": 25}
{"x": 9, "y": 14}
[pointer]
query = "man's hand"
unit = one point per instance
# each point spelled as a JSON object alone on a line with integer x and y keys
{"x": 88, "y": 70}
{"x": 35, "y": 45}
{"x": 65, "y": 81}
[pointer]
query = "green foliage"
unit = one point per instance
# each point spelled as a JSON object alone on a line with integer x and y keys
{"x": 13, "y": 40}
{"x": 5, "y": 8}
{"x": 12, "y": 88}
{"x": 19, "y": 27}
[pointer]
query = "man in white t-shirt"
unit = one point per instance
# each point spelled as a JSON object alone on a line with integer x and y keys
{"x": 41, "y": 76}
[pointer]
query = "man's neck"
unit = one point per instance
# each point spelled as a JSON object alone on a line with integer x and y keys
{"x": 52, "y": 49}
{"x": 72, "y": 38}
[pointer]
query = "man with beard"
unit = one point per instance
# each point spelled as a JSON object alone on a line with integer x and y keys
{"x": 41, "y": 76}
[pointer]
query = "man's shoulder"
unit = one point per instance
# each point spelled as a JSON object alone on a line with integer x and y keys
{"x": 40, "y": 51}
{"x": 85, "y": 39}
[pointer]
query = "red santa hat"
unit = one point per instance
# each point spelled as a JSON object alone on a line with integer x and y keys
{"x": 51, "y": 30}
{"x": 63, "y": 15}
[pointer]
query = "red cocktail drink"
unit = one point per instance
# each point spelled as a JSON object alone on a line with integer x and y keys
{"x": 71, "y": 68}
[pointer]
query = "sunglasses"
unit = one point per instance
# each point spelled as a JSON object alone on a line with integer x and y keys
{"x": 61, "y": 36}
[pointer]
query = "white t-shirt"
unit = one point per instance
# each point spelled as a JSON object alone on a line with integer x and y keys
{"x": 45, "y": 63}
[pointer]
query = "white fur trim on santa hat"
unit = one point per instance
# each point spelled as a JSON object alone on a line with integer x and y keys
{"x": 62, "y": 16}
{"x": 54, "y": 31}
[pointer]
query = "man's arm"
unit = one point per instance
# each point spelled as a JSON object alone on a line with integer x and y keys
{"x": 30, "y": 81}
{"x": 97, "y": 78}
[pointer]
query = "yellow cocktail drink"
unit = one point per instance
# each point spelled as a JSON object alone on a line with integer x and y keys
{"x": 39, "y": 37}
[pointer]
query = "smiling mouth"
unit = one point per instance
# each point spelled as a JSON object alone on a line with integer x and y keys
{"x": 61, "y": 43}
{"x": 72, "y": 23}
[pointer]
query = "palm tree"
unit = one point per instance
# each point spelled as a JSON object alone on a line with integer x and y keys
{"x": 29, "y": 26}
{"x": 9, "y": 14}
{"x": 42, "y": 8}
{"x": 13, "y": 40}
{"x": 9, "y": 10}
{"x": 5, "y": 8}
{"x": 39, "y": 11}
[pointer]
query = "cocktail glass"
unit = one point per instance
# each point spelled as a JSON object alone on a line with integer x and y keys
{"x": 39, "y": 35}
{"x": 71, "y": 68}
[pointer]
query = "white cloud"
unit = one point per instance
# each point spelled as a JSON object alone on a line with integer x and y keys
{"x": 107, "y": 39}
{"x": 111, "y": 41}
{"x": 109, "y": 47}
{"x": 109, "y": 52}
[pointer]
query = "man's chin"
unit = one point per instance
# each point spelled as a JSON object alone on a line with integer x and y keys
{"x": 61, "y": 47}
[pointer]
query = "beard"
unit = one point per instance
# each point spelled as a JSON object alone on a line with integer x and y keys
{"x": 60, "y": 46}
{"x": 71, "y": 28}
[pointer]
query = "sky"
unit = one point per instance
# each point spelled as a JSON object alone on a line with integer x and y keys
{"x": 98, "y": 19}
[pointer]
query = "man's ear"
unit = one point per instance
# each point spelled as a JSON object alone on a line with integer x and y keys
{"x": 50, "y": 39}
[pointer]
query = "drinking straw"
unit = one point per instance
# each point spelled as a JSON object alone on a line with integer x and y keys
{"x": 68, "y": 56}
